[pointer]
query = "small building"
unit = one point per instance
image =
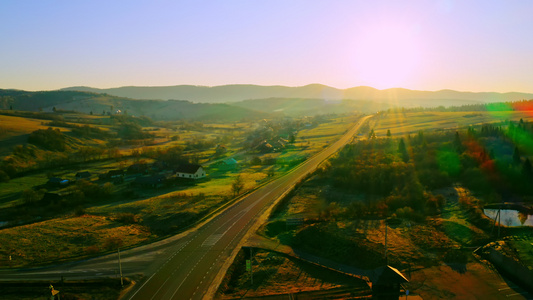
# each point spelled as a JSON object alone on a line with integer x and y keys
{"x": 138, "y": 168}
{"x": 57, "y": 182}
{"x": 154, "y": 181}
{"x": 159, "y": 166}
{"x": 83, "y": 175}
{"x": 116, "y": 176}
{"x": 386, "y": 283}
{"x": 192, "y": 171}
{"x": 230, "y": 162}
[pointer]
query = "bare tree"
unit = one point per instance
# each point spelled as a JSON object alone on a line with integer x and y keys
{"x": 237, "y": 185}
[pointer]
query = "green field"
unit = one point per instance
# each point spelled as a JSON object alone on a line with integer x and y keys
{"x": 412, "y": 122}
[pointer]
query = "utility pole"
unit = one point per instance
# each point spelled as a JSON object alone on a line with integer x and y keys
{"x": 499, "y": 220}
{"x": 120, "y": 268}
{"x": 251, "y": 270}
{"x": 386, "y": 260}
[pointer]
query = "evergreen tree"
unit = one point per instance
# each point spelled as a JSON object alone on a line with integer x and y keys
{"x": 457, "y": 143}
{"x": 516, "y": 155}
{"x": 388, "y": 133}
{"x": 420, "y": 136}
{"x": 372, "y": 134}
{"x": 402, "y": 149}
{"x": 526, "y": 168}
{"x": 491, "y": 154}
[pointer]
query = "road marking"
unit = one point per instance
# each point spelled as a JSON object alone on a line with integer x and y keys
{"x": 142, "y": 285}
{"x": 516, "y": 294}
{"x": 212, "y": 239}
{"x": 164, "y": 264}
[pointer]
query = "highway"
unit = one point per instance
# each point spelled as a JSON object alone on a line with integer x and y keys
{"x": 190, "y": 265}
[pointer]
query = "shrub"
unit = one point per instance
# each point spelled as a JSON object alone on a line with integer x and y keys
{"x": 107, "y": 189}
{"x": 50, "y": 139}
{"x": 405, "y": 212}
{"x": 455, "y": 256}
{"x": 30, "y": 196}
{"x": 275, "y": 228}
{"x": 128, "y": 218}
{"x": 3, "y": 176}
{"x": 256, "y": 160}
{"x": 112, "y": 242}
{"x": 92, "y": 249}
{"x": 80, "y": 211}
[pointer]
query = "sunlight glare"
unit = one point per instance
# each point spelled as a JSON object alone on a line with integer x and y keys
{"x": 386, "y": 56}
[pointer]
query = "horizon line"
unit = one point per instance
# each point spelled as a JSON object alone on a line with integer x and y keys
{"x": 260, "y": 85}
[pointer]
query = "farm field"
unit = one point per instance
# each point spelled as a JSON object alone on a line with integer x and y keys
{"x": 412, "y": 122}
{"x": 65, "y": 238}
{"x": 141, "y": 214}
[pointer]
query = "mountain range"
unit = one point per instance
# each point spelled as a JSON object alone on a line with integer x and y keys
{"x": 240, "y": 92}
{"x": 238, "y": 102}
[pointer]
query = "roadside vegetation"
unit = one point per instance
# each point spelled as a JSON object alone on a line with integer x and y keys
{"x": 105, "y": 289}
{"x": 277, "y": 274}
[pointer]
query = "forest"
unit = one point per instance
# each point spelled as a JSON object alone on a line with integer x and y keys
{"x": 491, "y": 160}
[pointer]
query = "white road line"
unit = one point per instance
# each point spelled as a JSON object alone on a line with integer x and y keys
{"x": 179, "y": 250}
{"x": 212, "y": 239}
{"x": 177, "y": 289}
{"x": 142, "y": 286}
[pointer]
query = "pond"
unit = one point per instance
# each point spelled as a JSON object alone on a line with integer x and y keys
{"x": 510, "y": 217}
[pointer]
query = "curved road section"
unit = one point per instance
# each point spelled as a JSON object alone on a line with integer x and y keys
{"x": 187, "y": 265}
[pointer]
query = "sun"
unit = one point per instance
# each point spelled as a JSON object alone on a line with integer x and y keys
{"x": 386, "y": 56}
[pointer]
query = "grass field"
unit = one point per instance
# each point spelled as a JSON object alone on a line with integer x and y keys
{"x": 62, "y": 238}
{"x": 12, "y": 126}
{"x": 412, "y": 122}
{"x": 102, "y": 289}
{"x": 324, "y": 134}
{"x": 15, "y": 131}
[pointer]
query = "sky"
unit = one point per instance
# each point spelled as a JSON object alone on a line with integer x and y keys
{"x": 423, "y": 45}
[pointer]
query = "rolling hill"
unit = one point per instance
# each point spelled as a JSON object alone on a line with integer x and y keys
{"x": 240, "y": 92}
{"x": 87, "y": 102}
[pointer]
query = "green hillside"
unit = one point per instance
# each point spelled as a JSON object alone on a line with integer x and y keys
{"x": 104, "y": 104}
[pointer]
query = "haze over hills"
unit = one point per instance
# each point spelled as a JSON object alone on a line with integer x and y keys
{"x": 240, "y": 92}
{"x": 88, "y": 102}
{"x": 237, "y": 102}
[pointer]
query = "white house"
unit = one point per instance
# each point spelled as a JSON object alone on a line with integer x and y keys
{"x": 192, "y": 171}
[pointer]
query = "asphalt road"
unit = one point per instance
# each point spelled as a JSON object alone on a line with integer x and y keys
{"x": 187, "y": 265}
